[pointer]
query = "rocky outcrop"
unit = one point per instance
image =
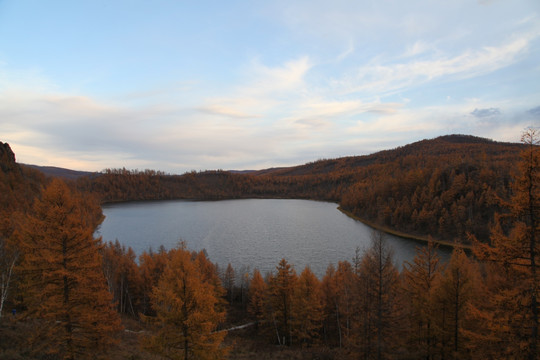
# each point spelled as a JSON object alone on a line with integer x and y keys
{"x": 7, "y": 158}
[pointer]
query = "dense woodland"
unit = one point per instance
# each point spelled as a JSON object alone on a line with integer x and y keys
{"x": 444, "y": 188}
{"x": 66, "y": 295}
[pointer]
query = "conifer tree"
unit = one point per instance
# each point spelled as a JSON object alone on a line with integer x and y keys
{"x": 347, "y": 283}
{"x": 380, "y": 296}
{"x": 65, "y": 287}
{"x": 453, "y": 293}
{"x": 331, "y": 289}
{"x": 229, "y": 280}
{"x": 515, "y": 248}
{"x": 188, "y": 312}
{"x": 339, "y": 286}
{"x": 208, "y": 271}
{"x": 257, "y": 296}
{"x": 280, "y": 296}
{"x": 123, "y": 277}
{"x": 151, "y": 266}
{"x": 419, "y": 278}
{"x": 307, "y": 307}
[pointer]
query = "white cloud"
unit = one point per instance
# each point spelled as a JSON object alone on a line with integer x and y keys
{"x": 325, "y": 109}
{"x": 482, "y": 113}
{"x": 265, "y": 88}
{"x": 230, "y": 112}
{"x": 419, "y": 47}
{"x": 408, "y": 124}
{"x": 289, "y": 76}
{"x": 385, "y": 79}
{"x": 84, "y": 133}
{"x": 321, "y": 113}
{"x": 346, "y": 76}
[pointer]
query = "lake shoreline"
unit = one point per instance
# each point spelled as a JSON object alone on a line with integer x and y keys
{"x": 416, "y": 238}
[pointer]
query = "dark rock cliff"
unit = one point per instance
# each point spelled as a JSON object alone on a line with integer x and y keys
{"x": 7, "y": 158}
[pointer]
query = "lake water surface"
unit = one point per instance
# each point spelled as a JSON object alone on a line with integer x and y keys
{"x": 256, "y": 233}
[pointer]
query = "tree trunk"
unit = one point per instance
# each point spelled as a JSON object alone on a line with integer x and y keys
{"x": 6, "y": 278}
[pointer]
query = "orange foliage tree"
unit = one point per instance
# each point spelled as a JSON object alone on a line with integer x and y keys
{"x": 454, "y": 292}
{"x": 151, "y": 266}
{"x": 257, "y": 296}
{"x": 229, "y": 279}
{"x": 280, "y": 296}
{"x": 419, "y": 278}
{"x": 338, "y": 289}
{"x": 186, "y": 301}
{"x": 513, "y": 306}
{"x": 123, "y": 277}
{"x": 379, "y": 307}
{"x": 331, "y": 320}
{"x": 65, "y": 288}
{"x": 307, "y": 307}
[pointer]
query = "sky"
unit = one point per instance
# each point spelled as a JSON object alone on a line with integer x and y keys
{"x": 178, "y": 86}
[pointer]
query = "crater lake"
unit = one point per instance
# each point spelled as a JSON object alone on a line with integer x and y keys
{"x": 252, "y": 233}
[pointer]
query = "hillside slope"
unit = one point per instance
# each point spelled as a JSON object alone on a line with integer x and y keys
{"x": 440, "y": 146}
{"x": 444, "y": 187}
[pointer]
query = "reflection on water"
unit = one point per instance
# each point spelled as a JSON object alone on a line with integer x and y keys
{"x": 254, "y": 233}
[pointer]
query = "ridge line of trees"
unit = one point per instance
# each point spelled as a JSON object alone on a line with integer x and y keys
{"x": 445, "y": 188}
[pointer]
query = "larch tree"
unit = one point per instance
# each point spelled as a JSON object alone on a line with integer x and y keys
{"x": 307, "y": 307}
{"x": 210, "y": 275}
{"x": 257, "y": 296}
{"x": 243, "y": 274}
{"x": 341, "y": 302}
{"x": 453, "y": 293}
{"x": 229, "y": 280}
{"x": 280, "y": 295}
{"x": 151, "y": 266}
{"x": 188, "y": 312}
{"x": 380, "y": 288}
{"x": 346, "y": 284}
{"x": 419, "y": 278}
{"x": 515, "y": 248}
{"x": 208, "y": 269}
{"x": 123, "y": 277}
{"x": 332, "y": 323}
{"x": 65, "y": 289}
{"x": 488, "y": 333}
{"x": 365, "y": 321}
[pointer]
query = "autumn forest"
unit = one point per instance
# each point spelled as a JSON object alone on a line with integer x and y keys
{"x": 65, "y": 294}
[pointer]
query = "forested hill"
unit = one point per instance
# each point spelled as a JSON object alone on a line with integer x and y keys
{"x": 444, "y": 187}
{"x": 441, "y": 146}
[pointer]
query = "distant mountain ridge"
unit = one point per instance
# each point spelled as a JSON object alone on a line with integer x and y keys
{"x": 319, "y": 166}
{"x": 53, "y": 171}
